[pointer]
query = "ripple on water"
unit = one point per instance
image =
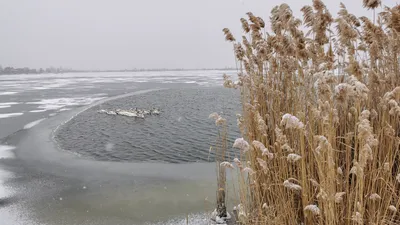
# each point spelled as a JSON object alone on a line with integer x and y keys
{"x": 181, "y": 133}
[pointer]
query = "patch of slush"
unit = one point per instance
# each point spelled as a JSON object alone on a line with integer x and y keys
{"x": 53, "y": 84}
{"x": 37, "y": 111}
{"x": 6, "y": 151}
{"x": 204, "y": 83}
{"x": 8, "y": 103}
{"x": 59, "y": 103}
{"x": 192, "y": 219}
{"x": 8, "y": 93}
{"x": 7, "y": 115}
{"x": 64, "y": 109}
{"x": 32, "y": 124}
{"x": 100, "y": 94}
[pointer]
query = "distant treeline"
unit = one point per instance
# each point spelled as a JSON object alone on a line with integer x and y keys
{"x": 26, "y": 70}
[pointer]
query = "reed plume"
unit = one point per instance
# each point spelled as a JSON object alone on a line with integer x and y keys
{"x": 321, "y": 117}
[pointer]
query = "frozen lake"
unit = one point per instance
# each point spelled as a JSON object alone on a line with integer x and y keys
{"x": 182, "y": 133}
{"x": 41, "y": 184}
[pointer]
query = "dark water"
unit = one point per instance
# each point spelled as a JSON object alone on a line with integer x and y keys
{"x": 181, "y": 133}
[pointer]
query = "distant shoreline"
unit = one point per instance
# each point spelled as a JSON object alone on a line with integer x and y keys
{"x": 61, "y": 71}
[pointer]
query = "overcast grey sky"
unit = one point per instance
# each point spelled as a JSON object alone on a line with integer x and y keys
{"x": 119, "y": 34}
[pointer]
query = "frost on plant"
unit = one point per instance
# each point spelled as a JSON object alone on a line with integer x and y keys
{"x": 227, "y": 165}
{"x": 292, "y": 158}
{"x": 241, "y": 144}
{"x": 292, "y": 186}
{"x": 321, "y": 97}
{"x": 339, "y": 197}
{"x": 264, "y": 151}
{"x": 291, "y": 122}
{"x": 312, "y": 209}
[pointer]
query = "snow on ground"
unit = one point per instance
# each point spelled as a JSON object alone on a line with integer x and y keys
{"x": 32, "y": 124}
{"x": 7, "y": 115}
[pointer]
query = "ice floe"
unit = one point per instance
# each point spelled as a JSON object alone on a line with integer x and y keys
{"x": 137, "y": 113}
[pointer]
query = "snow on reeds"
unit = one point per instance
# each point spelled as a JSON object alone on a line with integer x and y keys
{"x": 321, "y": 116}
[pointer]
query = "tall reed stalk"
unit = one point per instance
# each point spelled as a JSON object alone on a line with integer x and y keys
{"x": 220, "y": 212}
{"x": 321, "y": 117}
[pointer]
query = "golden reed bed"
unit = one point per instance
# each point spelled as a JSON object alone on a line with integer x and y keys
{"x": 320, "y": 120}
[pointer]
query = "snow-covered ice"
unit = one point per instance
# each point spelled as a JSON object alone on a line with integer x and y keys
{"x": 59, "y": 103}
{"x": 41, "y": 93}
{"x": 219, "y": 220}
{"x": 7, "y": 104}
{"x": 6, "y": 151}
{"x": 32, "y": 124}
{"x": 69, "y": 81}
{"x": 38, "y": 111}
{"x": 192, "y": 219}
{"x": 4, "y": 192}
{"x": 7, "y": 115}
{"x": 8, "y": 93}
{"x": 64, "y": 109}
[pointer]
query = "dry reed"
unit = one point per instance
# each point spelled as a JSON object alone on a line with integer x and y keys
{"x": 320, "y": 118}
{"x": 220, "y": 213}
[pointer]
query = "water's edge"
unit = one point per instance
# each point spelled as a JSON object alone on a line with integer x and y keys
{"x": 154, "y": 191}
{"x": 47, "y": 153}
